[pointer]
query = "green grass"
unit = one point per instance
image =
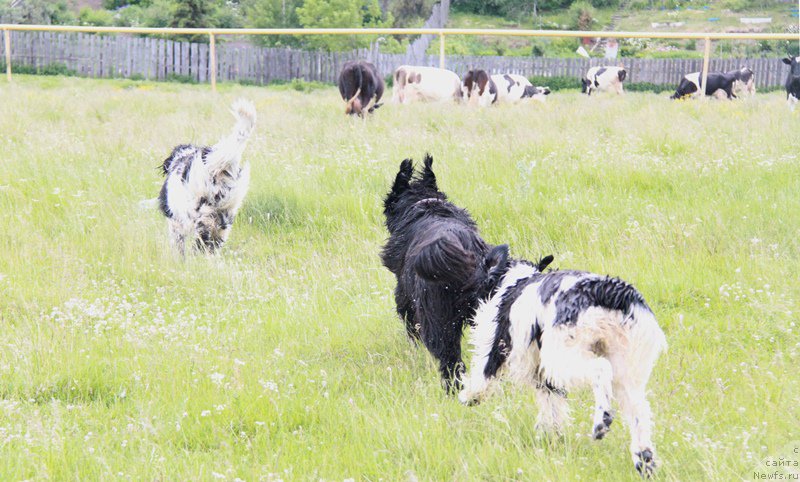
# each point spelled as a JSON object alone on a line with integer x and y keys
{"x": 695, "y": 18}
{"x": 283, "y": 358}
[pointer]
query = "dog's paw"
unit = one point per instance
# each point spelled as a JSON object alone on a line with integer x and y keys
{"x": 601, "y": 429}
{"x": 645, "y": 463}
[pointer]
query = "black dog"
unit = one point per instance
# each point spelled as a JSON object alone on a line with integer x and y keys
{"x": 443, "y": 267}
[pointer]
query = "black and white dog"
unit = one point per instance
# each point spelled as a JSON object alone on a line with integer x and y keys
{"x": 440, "y": 260}
{"x": 559, "y": 330}
{"x": 205, "y": 186}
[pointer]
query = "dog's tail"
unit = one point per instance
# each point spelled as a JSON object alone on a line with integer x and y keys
{"x": 445, "y": 260}
{"x": 229, "y": 150}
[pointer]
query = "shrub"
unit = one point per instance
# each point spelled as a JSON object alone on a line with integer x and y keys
{"x": 95, "y": 18}
{"x": 556, "y": 83}
{"x": 49, "y": 69}
{"x": 181, "y": 79}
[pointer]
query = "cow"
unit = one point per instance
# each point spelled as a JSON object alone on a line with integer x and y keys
{"x": 792, "y": 81}
{"x": 478, "y": 88}
{"x": 425, "y": 84}
{"x": 603, "y": 79}
{"x": 742, "y": 79}
{"x": 513, "y": 88}
{"x": 361, "y": 87}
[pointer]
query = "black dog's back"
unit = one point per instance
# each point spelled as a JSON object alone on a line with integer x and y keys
{"x": 435, "y": 251}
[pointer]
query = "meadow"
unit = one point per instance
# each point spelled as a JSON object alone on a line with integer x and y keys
{"x": 283, "y": 358}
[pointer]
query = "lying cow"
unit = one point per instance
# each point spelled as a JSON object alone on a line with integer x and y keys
{"x": 478, "y": 88}
{"x": 361, "y": 87}
{"x": 792, "y": 81}
{"x": 727, "y": 82}
{"x": 603, "y": 79}
{"x": 513, "y": 88}
{"x": 425, "y": 84}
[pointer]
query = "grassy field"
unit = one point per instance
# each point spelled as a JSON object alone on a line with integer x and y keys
{"x": 283, "y": 358}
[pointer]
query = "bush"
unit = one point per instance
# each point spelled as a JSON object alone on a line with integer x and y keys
{"x": 648, "y": 87}
{"x": 95, "y": 18}
{"x": 582, "y": 15}
{"x": 49, "y": 69}
{"x": 181, "y": 79}
{"x": 556, "y": 83}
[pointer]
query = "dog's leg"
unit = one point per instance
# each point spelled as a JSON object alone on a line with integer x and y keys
{"x": 636, "y": 412}
{"x": 553, "y": 409}
{"x": 601, "y": 375}
{"x": 443, "y": 340}
{"x": 405, "y": 310}
{"x": 177, "y": 234}
{"x": 569, "y": 360}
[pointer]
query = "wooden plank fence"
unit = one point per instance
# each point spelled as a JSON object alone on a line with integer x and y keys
{"x": 125, "y": 56}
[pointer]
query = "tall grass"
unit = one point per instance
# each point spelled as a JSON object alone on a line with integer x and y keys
{"x": 283, "y": 358}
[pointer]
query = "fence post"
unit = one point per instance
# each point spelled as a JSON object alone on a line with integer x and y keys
{"x": 7, "y": 44}
{"x": 212, "y": 61}
{"x": 441, "y": 49}
{"x": 704, "y": 77}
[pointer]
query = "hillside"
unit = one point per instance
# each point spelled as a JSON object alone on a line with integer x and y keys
{"x": 713, "y": 17}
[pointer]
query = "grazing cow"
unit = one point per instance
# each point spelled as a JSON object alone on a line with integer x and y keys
{"x": 361, "y": 87}
{"x": 603, "y": 79}
{"x": 792, "y": 81}
{"x": 742, "y": 79}
{"x": 479, "y": 89}
{"x": 513, "y": 88}
{"x": 425, "y": 84}
{"x": 558, "y": 330}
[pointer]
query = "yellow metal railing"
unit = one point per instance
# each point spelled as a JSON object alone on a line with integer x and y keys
{"x": 441, "y": 32}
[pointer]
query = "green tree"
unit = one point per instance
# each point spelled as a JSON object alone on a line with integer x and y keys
{"x": 192, "y": 14}
{"x": 340, "y": 14}
{"x": 272, "y": 14}
{"x": 96, "y": 18}
{"x": 45, "y": 12}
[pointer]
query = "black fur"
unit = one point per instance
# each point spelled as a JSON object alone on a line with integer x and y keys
{"x": 531, "y": 90}
{"x": 552, "y": 282}
{"x": 611, "y": 293}
{"x": 482, "y": 80}
{"x": 716, "y": 81}
{"x": 793, "y": 79}
{"x": 502, "y": 339}
{"x": 511, "y": 82}
{"x": 441, "y": 263}
{"x": 363, "y": 78}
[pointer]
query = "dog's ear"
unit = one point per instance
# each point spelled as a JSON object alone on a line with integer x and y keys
{"x": 544, "y": 263}
{"x": 403, "y": 177}
{"x": 496, "y": 263}
{"x": 428, "y": 177}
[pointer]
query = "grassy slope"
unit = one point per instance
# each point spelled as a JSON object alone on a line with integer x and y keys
{"x": 631, "y": 20}
{"x": 283, "y": 357}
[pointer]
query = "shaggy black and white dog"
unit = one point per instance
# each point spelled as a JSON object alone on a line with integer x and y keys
{"x": 440, "y": 262}
{"x": 205, "y": 186}
{"x": 558, "y": 330}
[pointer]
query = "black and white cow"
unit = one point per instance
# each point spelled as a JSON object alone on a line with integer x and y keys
{"x": 727, "y": 82}
{"x": 603, "y": 79}
{"x": 513, "y": 88}
{"x": 792, "y": 81}
{"x": 361, "y": 87}
{"x": 425, "y": 84}
{"x": 478, "y": 88}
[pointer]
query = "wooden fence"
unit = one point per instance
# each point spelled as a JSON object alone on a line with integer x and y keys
{"x": 126, "y": 56}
